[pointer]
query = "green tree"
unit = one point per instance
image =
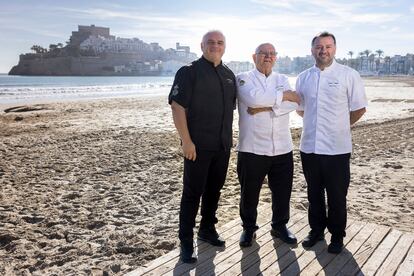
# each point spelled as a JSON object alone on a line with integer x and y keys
{"x": 379, "y": 53}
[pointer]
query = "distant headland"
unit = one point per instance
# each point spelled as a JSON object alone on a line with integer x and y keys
{"x": 93, "y": 51}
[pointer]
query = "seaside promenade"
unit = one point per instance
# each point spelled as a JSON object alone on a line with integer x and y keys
{"x": 370, "y": 249}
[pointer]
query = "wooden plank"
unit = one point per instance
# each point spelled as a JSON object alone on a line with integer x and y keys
{"x": 226, "y": 260}
{"x": 174, "y": 254}
{"x": 370, "y": 250}
{"x": 324, "y": 258}
{"x": 178, "y": 268}
{"x": 289, "y": 265}
{"x": 396, "y": 257}
{"x": 201, "y": 246}
{"x": 358, "y": 259}
{"x": 283, "y": 256}
{"x": 248, "y": 257}
{"x": 347, "y": 254}
{"x": 209, "y": 263}
{"x": 407, "y": 266}
{"x": 379, "y": 255}
{"x": 308, "y": 256}
{"x": 270, "y": 258}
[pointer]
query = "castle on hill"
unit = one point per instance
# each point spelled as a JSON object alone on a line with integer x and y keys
{"x": 93, "y": 51}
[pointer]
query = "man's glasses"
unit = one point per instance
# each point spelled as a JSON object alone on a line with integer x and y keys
{"x": 266, "y": 54}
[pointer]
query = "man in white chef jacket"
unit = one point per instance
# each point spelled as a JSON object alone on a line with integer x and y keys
{"x": 332, "y": 99}
{"x": 265, "y": 144}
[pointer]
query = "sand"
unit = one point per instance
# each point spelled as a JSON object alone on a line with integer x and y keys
{"x": 93, "y": 187}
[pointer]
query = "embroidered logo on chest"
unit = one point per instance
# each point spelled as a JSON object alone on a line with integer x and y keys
{"x": 333, "y": 84}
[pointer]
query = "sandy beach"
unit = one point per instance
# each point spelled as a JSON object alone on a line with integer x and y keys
{"x": 93, "y": 187}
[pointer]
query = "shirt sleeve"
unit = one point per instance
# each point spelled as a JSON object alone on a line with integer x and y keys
{"x": 253, "y": 95}
{"x": 298, "y": 89}
{"x": 182, "y": 88}
{"x": 356, "y": 92}
{"x": 283, "y": 107}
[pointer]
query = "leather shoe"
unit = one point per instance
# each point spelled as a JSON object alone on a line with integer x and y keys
{"x": 210, "y": 235}
{"x": 312, "y": 239}
{"x": 336, "y": 245}
{"x": 247, "y": 238}
{"x": 284, "y": 234}
{"x": 187, "y": 252}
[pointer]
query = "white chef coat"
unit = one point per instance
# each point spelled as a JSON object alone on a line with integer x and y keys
{"x": 265, "y": 133}
{"x": 327, "y": 97}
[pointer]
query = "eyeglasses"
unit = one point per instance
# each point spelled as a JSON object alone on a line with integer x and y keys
{"x": 266, "y": 54}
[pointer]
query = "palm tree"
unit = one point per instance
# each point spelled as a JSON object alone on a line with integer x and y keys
{"x": 379, "y": 52}
{"x": 378, "y": 61}
{"x": 388, "y": 62}
{"x": 367, "y": 52}
{"x": 350, "y": 53}
{"x": 360, "y": 59}
{"x": 371, "y": 60}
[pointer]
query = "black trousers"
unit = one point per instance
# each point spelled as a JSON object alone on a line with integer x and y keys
{"x": 251, "y": 170}
{"x": 203, "y": 178}
{"x": 330, "y": 173}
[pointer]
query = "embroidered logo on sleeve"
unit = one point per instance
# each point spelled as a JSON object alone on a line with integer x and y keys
{"x": 229, "y": 81}
{"x": 241, "y": 82}
{"x": 175, "y": 90}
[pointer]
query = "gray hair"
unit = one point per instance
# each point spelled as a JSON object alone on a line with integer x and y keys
{"x": 210, "y": 32}
{"x": 263, "y": 44}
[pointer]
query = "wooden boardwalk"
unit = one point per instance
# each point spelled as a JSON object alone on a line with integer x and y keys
{"x": 370, "y": 249}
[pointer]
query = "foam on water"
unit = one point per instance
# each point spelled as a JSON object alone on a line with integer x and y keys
{"x": 387, "y": 99}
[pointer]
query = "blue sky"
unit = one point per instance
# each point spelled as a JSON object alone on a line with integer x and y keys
{"x": 289, "y": 25}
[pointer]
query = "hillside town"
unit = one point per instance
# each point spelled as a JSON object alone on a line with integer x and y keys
{"x": 92, "y": 50}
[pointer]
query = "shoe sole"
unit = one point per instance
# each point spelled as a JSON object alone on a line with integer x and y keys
{"x": 295, "y": 241}
{"x": 189, "y": 261}
{"x": 248, "y": 244}
{"x": 212, "y": 243}
{"x": 318, "y": 240}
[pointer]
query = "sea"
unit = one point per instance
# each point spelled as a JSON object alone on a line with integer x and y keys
{"x": 387, "y": 99}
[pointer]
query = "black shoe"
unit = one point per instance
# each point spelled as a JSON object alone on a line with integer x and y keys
{"x": 312, "y": 239}
{"x": 187, "y": 252}
{"x": 247, "y": 238}
{"x": 284, "y": 234}
{"x": 336, "y": 245}
{"x": 211, "y": 236}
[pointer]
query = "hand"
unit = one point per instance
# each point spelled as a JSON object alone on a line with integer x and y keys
{"x": 291, "y": 96}
{"x": 189, "y": 151}
{"x": 254, "y": 110}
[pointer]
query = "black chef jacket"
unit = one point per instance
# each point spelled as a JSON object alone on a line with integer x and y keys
{"x": 208, "y": 94}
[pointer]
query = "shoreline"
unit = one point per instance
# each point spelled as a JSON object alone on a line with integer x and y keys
{"x": 94, "y": 186}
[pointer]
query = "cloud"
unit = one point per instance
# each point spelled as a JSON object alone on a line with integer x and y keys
{"x": 275, "y": 4}
{"x": 375, "y": 18}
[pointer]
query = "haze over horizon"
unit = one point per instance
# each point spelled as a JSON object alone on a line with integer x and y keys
{"x": 289, "y": 25}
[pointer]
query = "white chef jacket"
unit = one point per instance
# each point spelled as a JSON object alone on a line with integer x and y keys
{"x": 327, "y": 97}
{"x": 265, "y": 133}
